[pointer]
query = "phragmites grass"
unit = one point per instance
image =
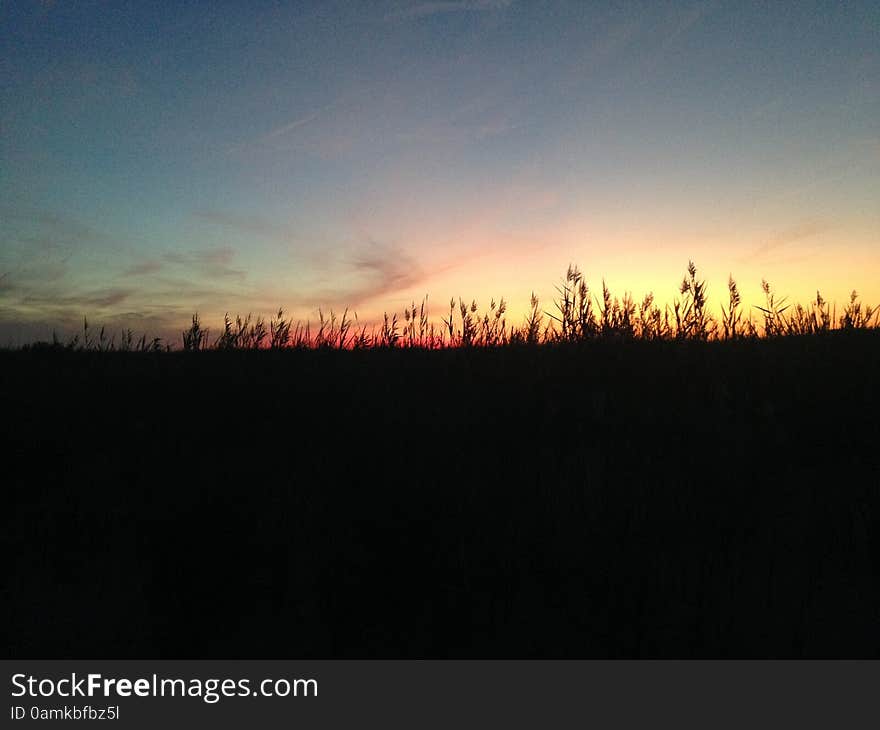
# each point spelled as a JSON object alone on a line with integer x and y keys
{"x": 577, "y": 317}
{"x": 652, "y": 323}
{"x": 692, "y": 319}
{"x": 531, "y": 333}
{"x": 810, "y": 321}
{"x": 244, "y": 334}
{"x": 617, "y": 316}
{"x": 389, "y": 334}
{"x": 775, "y": 323}
{"x": 467, "y": 335}
{"x": 279, "y": 331}
{"x": 854, "y": 317}
{"x": 196, "y": 337}
{"x": 732, "y": 316}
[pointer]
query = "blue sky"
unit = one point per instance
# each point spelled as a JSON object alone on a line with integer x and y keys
{"x": 159, "y": 159}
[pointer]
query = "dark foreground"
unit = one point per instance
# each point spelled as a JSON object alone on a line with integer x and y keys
{"x": 612, "y": 500}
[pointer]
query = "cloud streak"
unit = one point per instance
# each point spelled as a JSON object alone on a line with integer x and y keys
{"x": 283, "y": 129}
{"x": 386, "y": 269}
{"x": 144, "y": 268}
{"x": 427, "y": 9}
{"x": 250, "y": 225}
{"x": 211, "y": 262}
{"x": 688, "y": 19}
{"x": 98, "y": 299}
{"x": 377, "y": 269}
{"x": 801, "y": 232}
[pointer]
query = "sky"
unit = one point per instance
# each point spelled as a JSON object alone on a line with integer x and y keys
{"x": 161, "y": 159}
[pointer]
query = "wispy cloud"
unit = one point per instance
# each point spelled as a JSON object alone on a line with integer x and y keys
{"x": 36, "y": 247}
{"x": 143, "y": 268}
{"x": 802, "y": 231}
{"x": 374, "y": 270}
{"x": 685, "y": 19}
{"x": 211, "y": 262}
{"x": 84, "y": 301}
{"x": 386, "y": 269}
{"x": 283, "y": 129}
{"x": 425, "y": 9}
{"x": 295, "y": 124}
{"x": 33, "y": 272}
{"x": 248, "y": 224}
{"x": 34, "y": 231}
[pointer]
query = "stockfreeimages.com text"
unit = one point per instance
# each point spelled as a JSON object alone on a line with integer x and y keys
{"x": 209, "y": 690}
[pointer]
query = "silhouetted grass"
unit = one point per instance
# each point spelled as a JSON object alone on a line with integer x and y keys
{"x": 576, "y": 315}
{"x": 614, "y": 480}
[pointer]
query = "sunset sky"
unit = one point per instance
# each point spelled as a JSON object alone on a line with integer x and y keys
{"x": 157, "y": 160}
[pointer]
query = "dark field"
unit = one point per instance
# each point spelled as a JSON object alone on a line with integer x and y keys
{"x": 607, "y": 499}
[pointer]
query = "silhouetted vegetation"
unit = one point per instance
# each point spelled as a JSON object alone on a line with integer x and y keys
{"x": 605, "y": 479}
{"x": 576, "y": 315}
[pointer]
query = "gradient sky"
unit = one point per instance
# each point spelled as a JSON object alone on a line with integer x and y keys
{"x": 160, "y": 159}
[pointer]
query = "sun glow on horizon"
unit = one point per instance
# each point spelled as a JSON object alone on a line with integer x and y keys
{"x": 363, "y": 156}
